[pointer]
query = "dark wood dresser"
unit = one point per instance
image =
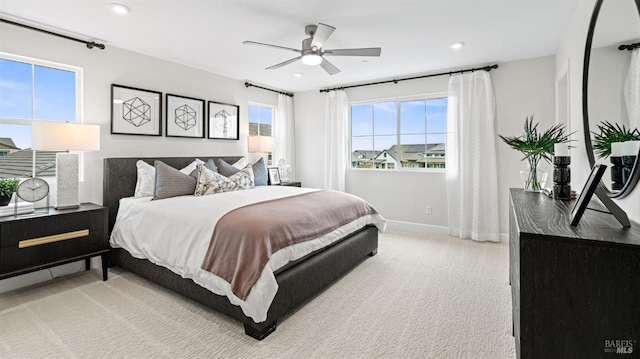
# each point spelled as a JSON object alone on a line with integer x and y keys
{"x": 575, "y": 290}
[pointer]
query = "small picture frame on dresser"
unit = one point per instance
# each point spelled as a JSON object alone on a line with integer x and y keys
{"x": 587, "y": 192}
{"x": 274, "y": 176}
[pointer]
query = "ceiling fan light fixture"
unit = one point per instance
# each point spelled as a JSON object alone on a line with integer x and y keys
{"x": 311, "y": 59}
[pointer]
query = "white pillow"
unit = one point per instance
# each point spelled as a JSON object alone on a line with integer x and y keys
{"x": 241, "y": 163}
{"x": 146, "y": 182}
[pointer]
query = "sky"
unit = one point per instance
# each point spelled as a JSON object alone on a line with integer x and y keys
{"x": 53, "y": 91}
{"x": 375, "y": 127}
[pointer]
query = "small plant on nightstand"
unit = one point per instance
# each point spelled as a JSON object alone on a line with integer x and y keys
{"x": 7, "y": 188}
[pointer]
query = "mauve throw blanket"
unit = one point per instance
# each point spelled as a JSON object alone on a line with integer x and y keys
{"x": 244, "y": 239}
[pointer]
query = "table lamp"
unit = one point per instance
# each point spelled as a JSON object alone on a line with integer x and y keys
{"x": 262, "y": 144}
{"x": 65, "y": 136}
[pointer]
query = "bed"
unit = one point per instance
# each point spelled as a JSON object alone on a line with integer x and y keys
{"x": 297, "y": 282}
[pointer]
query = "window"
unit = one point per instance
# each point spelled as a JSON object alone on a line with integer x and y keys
{"x": 260, "y": 120}
{"x": 261, "y": 123}
{"x": 33, "y": 90}
{"x": 399, "y": 134}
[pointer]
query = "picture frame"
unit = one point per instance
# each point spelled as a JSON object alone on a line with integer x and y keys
{"x": 224, "y": 121}
{"x": 274, "y": 175}
{"x": 587, "y": 192}
{"x": 185, "y": 116}
{"x": 135, "y": 111}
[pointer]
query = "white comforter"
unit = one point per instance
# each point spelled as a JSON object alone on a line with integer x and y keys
{"x": 175, "y": 233}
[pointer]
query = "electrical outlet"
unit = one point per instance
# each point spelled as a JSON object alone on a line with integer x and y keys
{"x": 429, "y": 210}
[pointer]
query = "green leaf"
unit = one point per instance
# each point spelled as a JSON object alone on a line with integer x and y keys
{"x": 535, "y": 145}
{"x": 610, "y": 133}
{"x": 8, "y": 186}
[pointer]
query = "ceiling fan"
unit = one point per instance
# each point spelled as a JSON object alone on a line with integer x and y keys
{"x": 312, "y": 52}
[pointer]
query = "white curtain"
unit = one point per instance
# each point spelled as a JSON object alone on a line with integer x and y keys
{"x": 632, "y": 90}
{"x": 471, "y": 169}
{"x": 336, "y": 140}
{"x": 285, "y": 133}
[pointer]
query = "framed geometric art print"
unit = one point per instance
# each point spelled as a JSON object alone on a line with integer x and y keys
{"x": 185, "y": 117}
{"x": 224, "y": 120}
{"x": 135, "y": 111}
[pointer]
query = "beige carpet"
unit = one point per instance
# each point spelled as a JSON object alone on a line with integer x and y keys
{"x": 422, "y": 296}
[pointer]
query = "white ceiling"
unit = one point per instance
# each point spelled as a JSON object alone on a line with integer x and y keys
{"x": 414, "y": 34}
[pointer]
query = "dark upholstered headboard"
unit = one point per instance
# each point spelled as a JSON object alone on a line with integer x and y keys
{"x": 120, "y": 176}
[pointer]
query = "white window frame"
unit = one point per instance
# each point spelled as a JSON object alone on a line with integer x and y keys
{"x": 79, "y": 97}
{"x": 398, "y": 100}
{"x": 273, "y": 116}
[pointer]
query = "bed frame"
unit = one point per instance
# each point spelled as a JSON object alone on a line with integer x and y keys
{"x": 297, "y": 283}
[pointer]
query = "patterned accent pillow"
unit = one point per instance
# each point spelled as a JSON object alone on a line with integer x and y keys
{"x": 244, "y": 179}
{"x": 259, "y": 170}
{"x": 210, "y": 182}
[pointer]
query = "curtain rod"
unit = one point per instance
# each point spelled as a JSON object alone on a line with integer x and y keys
{"x": 395, "y": 81}
{"x": 264, "y": 88}
{"x": 629, "y": 47}
{"x": 90, "y": 44}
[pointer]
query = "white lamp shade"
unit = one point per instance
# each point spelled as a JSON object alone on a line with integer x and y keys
{"x": 64, "y": 136}
{"x": 617, "y": 149}
{"x": 262, "y": 144}
{"x": 631, "y": 148}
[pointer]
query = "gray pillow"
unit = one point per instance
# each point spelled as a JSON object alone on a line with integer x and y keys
{"x": 259, "y": 171}
{"x": 226, "y": 169}
{"x": 210, "y": 164}
{"x": 170, "y": 182}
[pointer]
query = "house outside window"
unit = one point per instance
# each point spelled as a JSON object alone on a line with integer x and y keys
{"x": 399, "y": 134}
{"x": 33, "y": 90}
{"x": 261, "y": 122}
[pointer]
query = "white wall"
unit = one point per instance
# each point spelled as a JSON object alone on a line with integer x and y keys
{"x": 521, "y": 88}
{"x": 572, "y": 53}
{"x": 113, "y": 65}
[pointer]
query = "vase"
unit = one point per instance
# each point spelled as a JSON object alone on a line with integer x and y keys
{"x": 5, "y": 200}
{"x": 533, "y": 178}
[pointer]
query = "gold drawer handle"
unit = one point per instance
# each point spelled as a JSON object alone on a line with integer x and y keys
{"x": 54, "y": 238}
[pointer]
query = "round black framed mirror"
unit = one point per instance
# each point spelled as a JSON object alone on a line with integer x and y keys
{"x": 609, "y": 115}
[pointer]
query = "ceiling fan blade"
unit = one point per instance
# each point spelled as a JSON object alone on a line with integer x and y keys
{"x": 328, "y": 67}
{"x": 370, "y": 51}
{"x": 269, "y": 45}
{"x": 276, "y": 66}
{"x": 321, "y": 35}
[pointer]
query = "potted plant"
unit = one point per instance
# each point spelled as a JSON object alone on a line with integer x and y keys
{"x": 535, "y": 146}
{"x": 609, "y": 134}
{"x": 7, "y": 187}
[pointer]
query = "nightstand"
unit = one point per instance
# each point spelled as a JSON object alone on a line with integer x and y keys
{"x": 38, "y": 241}
{"x": 291, "y": 184}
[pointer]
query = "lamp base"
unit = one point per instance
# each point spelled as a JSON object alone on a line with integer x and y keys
{"x": 67, "y": 178}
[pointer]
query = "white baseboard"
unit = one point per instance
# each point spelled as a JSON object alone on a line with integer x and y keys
{"x": 400, "y": 226}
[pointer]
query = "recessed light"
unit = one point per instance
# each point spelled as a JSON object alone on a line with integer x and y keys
{"x": 457, "y": 45}
{"x": 297, "y": 74}
{"x": 120, "y": 9}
